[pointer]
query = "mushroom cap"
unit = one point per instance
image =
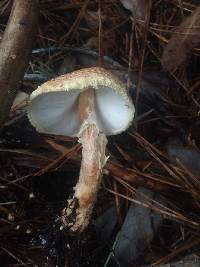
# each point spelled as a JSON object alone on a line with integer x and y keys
{"x": 54, "y": 109}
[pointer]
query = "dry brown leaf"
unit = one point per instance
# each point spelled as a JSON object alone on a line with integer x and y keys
{"x": 21, "y": 100}
{"x": 137, "y": 7}
{"x": 183, "y": 40}
{"x": 92, "y": 19}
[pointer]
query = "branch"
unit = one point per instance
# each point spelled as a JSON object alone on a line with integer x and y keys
{"x": 15, "y": 50}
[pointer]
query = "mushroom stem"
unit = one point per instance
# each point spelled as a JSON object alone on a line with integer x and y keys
{"x": 77, "y": 214}
{"x": 86, "y": 104}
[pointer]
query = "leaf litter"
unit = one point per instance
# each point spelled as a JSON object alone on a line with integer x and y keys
{"x": 147, "y": 156}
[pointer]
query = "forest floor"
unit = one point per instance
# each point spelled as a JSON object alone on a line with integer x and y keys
{"x": 154, "y": 167}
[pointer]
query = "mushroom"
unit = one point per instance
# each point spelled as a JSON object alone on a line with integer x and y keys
{"x": 89, "y": 104}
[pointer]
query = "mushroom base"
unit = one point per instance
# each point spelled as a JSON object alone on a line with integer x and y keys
{"x": 77, "y": 214}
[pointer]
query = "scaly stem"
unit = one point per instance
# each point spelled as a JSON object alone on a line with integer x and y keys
{"x": 77, "y": 214}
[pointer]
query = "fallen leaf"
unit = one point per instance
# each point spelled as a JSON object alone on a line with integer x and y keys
{"x": 139, "y": 227}
{"x": 20, "y": 101}
{"x": 137, "y": 7}
{"x": 183, "y": 40}
{"x": 92, "y": 19}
